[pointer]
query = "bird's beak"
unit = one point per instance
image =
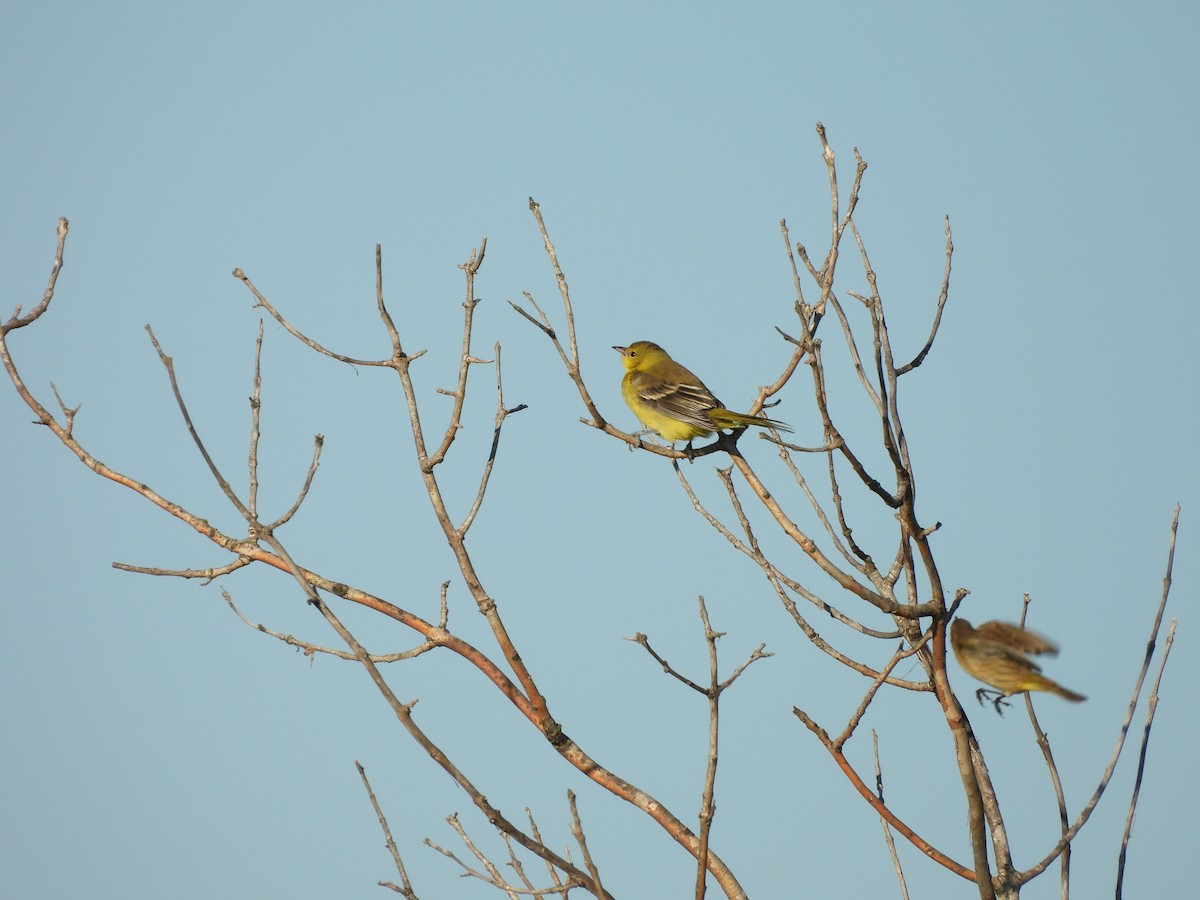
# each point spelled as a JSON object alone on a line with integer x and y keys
{"x": 620, "y": 349}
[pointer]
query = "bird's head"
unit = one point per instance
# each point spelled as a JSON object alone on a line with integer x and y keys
{"x": 641, "y": 354}
{"x": 960, "y": 630}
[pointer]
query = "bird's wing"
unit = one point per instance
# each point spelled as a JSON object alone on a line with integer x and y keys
{"x": 981, "y": 649}
{"x": 1015, "y": 638}
{"x": 686, "y": 402}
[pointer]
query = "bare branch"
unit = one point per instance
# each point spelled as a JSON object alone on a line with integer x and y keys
{"x": 902, "y": 653}
{"x": 311, "y": 649}
{"x": 809, "y": 547}
{"x": 802, "y": 308}
{"x": 878, "y": 805}
{"x": 255, "y": 431}
{"x": 385, "y": 316}
{"x": 261, "y": 301}
{"x": 1152, "y": 708}
{"x": 860, "y": 560}
{"x": 514, "y": 861}
{"x": 640, "y": 638}
{"x": 779, "y": 580}
{"x": 406, "y": 886}
{"x": 1106, "y": 776}
{"x": 501, "y": 414}
{"x": 855, "y": 357}
{"x": 465, "y": 360}
{"x": 754, "y": 551}
{"x": 491, "y": 873}
{"x": 563, "y": 290}
{"x": 887, "y": 831}
{"x": 226, "y": 489}
{"x": 69, "y": 413}
{"x": 941, "y": 305}
{"x": 570, "y": 357}
{"x": 209, "y": 575}
{"x": 537, "y": 836}
{"x": 577, "y": 832}
{"x": 834, "y": 436}
{"x": 707, "y": 809}
{"x": 318, "y": 443}
{"x": 19, "y": 321}
{"x": 1056, "y": 782}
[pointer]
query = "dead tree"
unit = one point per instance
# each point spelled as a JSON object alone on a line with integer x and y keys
{"x": 899, "y": 602}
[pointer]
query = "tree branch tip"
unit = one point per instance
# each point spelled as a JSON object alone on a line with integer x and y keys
{"x": 787, "y": 337}
{"x": 534, "y": 205}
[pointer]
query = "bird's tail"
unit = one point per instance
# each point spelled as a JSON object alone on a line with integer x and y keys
{"x": 1041, "y": 683}
{"x": 726, "y": 419}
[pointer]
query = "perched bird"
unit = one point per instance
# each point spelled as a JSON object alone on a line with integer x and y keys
{"x": 995, "y": 654}
{"x": 672, "y": 402}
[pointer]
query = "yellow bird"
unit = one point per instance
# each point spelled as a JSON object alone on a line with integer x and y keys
{"x": 995, "y": 654}
{"x": 671, "y": 401}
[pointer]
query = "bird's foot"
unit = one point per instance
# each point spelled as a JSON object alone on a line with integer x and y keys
{"x": 996, "y": 698}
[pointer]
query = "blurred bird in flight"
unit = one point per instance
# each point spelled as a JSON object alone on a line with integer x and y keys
{"x": 995, "y": 654}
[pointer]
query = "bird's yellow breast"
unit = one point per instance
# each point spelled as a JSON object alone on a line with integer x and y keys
{"x": 666, "y": 426}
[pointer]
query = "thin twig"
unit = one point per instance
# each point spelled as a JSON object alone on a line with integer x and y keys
{"x": 707, "y": 810}
{"x": 69, "y": 412}
{"x": 318, "y": 443}
{"x": 209, "y": 575}
{"x": 312, "y": 650}
{"x": 501, "y": 414}
{"x": 406, "y": 887}
{"x": 19, "y": 321}
{"x": 465, "y": 359}
{"x": 1106, "y": 776}
{"x": 226, "y": 489}
{"x": 887, "y": 831}
{"x": 1043, "y": 742}
{"x": 255, "y": 430}
{"x": 902, "y": 653}
{"x": 537, "y": 836}
{"x": 778, "y": 580}
{"x": 597, "y": 887}
{"x": 941, "y": 305}
{"x": 881, "y": 808}
{"x": 261, "y": 301}
{"x": 570, "y": 356}
{"x": 1151, "y": 709}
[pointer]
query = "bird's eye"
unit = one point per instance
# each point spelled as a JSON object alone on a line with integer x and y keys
{"x": 632, "y": 353}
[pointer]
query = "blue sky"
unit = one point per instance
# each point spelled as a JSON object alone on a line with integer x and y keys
{"x": 157, "y": 746}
